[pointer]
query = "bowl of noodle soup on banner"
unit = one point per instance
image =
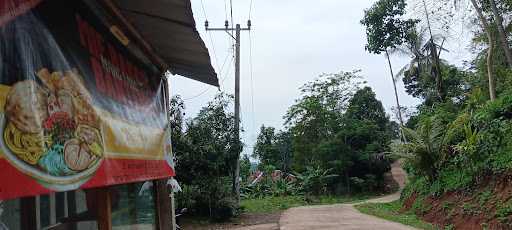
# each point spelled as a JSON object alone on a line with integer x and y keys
{"x": 51, "y": 131}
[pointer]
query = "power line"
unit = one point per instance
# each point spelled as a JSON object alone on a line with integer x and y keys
{"x": 252, "y": 82}
{"x": 250, "y": 9}
{"x": 204, "y": 11}
{"x": 213, "y": 49}
{"x": 198, "y": 95}
{"x": 210, "y": 36}
{"x": 231, "y": 8}
{"x": 225, "y": 10}
{"x": 229, "y": 69}
{"x": 208, "y": 88}
{"x": 232, "y": 24}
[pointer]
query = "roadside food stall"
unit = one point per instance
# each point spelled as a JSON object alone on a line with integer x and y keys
{"x": 83, "y": 110}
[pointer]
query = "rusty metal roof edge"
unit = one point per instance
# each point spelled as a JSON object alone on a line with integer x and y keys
{"x": 206, "y": 75}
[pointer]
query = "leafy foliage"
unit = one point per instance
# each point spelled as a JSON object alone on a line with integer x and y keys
{"x": 425, "y": 149}
{"x": 385, "y": 27}
{"x": 314, "y": 181}
{"x": 274, "y": 148}
{"x": 205, "y": 150}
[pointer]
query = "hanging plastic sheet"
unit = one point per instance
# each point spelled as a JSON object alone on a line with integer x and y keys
{"x": 77, "y": 109}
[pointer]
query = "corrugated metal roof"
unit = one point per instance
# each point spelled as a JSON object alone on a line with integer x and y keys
{"x": 169, "y": 28}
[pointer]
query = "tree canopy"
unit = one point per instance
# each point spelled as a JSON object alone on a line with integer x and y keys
{"x": 385, "y": 27}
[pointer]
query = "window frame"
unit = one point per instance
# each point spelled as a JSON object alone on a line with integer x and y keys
{"x": 164, "y": 220}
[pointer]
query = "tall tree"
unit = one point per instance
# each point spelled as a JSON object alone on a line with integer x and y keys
{"x": 498, "y": 20}
{"x": 436, "y": 65}
{"x": 386, "y": 30}
{"x": 284, "y": 147}
{"x": 204, "y": 149}
{"x": 486, "y": 25}
{"x": 365, "y": 133}
{"x": 265, "y": 148}
{"x": 273, "y": 148}
{"x": 316, "y": 115}
{"x": 364, "y": 106}
{"x": 490, "y": 41}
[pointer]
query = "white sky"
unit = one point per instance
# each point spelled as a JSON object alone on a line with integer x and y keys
{"x": 293, "y": 41}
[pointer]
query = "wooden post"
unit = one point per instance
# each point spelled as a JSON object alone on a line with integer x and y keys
{"x": 163, "y": 206}
{"x": 72, "y": 209}
{"x": 173, "y": 211}
{"x": 104, "y": 209}
{"x": 53, "y": 211}
{"x": 28, "y": 213}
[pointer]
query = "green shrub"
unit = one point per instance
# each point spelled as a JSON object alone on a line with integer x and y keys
{"x": 419, "y": 185}
{"x": 470, "y": 209}
{"x": 268, "y": 186}
{"x": 419, "y": 206}
{"x": 314, "y": 180}
{"x": 484, "y": 197}
{"x": 425, "y": 149}
{"x": 444, "y": 155}
{"x": 367, "y": 184}
{"x": 501, "y": 108}
{"x": 503, "y": 211}
{"x": 212, "y": 198}
{"x": 453, "y": 178}
{"x": 224, "y": 209}
{"x": 447, "y": 206}
{"x": 449, "y": 227}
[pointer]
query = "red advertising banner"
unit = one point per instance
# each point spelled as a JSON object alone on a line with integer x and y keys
{"x": 77, "y": 110}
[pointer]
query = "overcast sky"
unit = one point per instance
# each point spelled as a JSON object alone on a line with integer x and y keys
{"x": 293, "y": 41}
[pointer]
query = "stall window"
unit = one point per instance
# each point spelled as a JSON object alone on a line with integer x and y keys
{"x": 65, "y": 210}
{"x": 10, "y": 214}
{"x": 133, "y": 206}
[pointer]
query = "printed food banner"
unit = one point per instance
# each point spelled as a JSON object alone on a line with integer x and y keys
{"x": 79, "y": 107}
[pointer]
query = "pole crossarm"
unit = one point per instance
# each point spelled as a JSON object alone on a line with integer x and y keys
{"x": 224, "y": 29}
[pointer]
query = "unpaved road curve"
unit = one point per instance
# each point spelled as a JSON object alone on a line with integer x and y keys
{"x": 342, "y": 216}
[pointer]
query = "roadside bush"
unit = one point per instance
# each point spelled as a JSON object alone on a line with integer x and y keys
{"x": 268, "y": 187}
{"x": 367, "y": 184}
{"x": 478, "y": 142}
{"x": 314, "y": 180}
{"x": 212, "y": 198}
{"x": 425, "y": 148}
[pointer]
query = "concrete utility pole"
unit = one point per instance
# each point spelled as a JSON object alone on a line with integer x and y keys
{"x": 237, "y": 29}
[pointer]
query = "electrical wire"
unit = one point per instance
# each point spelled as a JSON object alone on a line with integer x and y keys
{"x": 204, "y": 11}
{"x": 210, "y": 37}
{"x": 252, "y": 82}
{"x": 228, "y": 69}
{"x": 208, "y": 88}
{"x": 250, "y": 9}
{"x": 225, "y": 10}
{"x": 231, "y": 8}
{"x": 232, "y": 24}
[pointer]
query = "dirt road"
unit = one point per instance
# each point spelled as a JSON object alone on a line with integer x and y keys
{"x": 339, "y": 216}
{"x": 342, "y": 216}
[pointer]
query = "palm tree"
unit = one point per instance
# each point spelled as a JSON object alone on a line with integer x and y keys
{"x": 414, "y": 49}
{"x": 423, "y": 60}
{"x": 426, "y": 148}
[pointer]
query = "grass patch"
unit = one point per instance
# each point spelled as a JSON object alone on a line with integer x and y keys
{"x": 275, "y": 204}
{"x": 390, "y": 211}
